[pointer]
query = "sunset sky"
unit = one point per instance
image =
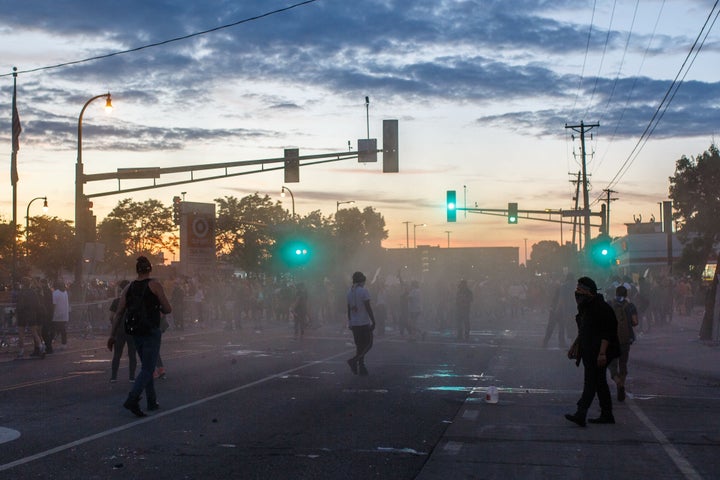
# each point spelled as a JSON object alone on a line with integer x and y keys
{"x": 482, "y": 90}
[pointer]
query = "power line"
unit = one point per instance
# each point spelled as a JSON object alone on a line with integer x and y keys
{"x": 667, "y": 99}
{"x": 164, "y": 42}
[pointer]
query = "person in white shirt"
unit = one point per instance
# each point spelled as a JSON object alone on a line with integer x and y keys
{"x": 361, "y": 321}
{"x": 61, "y": 312}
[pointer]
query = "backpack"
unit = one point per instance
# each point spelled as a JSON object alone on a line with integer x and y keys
{"x": 137, "y": 317}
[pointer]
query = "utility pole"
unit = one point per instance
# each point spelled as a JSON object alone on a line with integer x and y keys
{"x": 407, "y": 234}
{"x": 608, "y": 192}
{"x": 448, "y": 236}
{"x": 582, "y": 129}
{"x": 577, "y": 200}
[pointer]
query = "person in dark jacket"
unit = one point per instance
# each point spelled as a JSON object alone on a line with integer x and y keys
{"x": 597, "y": 344}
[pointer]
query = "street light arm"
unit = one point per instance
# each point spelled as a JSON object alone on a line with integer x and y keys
{"x": 82, "y": 112}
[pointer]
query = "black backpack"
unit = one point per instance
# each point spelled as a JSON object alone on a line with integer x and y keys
{"x": 138, "y": 319}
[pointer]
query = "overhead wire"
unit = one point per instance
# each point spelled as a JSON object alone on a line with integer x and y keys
{"x": 602, "y": 61}
{"x": 667, "y": 98}
{"x": 163, "y": 42}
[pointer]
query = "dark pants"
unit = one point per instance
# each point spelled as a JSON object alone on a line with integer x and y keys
{"x": 463, "y": 324}
{"x": 595, "y": 382}
{"x": 120, "y": 341}
{"x": 363, "y": 336}
{"x": 148, "y": 349}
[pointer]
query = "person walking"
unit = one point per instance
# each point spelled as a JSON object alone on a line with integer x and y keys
{"x": 29, "y": 315}
{"x": 463, "y": 300}
{"x": 361, "y": 321}
{"x": 627, "y": 318}
{"x": 61, "y": 312}
{"x": 561, "y": 309}
{"x": 121, "y": 339}
{"x": 147, "y": 341}
{"x": 300, "y": 310}
{"x": 414, "y": 300}
{"x": 595, "y": 345}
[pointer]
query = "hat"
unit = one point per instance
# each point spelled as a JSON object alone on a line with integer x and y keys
{"x": 588, "y": 284}
{"x": 358, "y": 277}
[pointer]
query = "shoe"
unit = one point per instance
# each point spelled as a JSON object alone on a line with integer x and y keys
{"x": 363, "y": 371}
{"x": 353, "y": 366}
{"x": 159, "y": 372}
{"x": 133, "y": 404}
{"x": 621, "y": 394}
{"x": 603, "y": 419}
{"x": 153, "y": 406}
{"x": 576, "y": 418}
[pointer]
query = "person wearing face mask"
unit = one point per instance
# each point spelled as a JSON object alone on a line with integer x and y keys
{"x": 627, "y": 318}
{"x": 597, "y": 344}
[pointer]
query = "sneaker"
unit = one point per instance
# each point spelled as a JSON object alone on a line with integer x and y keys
{"x": 576, "y": 418}
{"x": 153, "y": 406}
{"x": 353, "y": 365}
{"x": 362, "y": 371}
{"x": 603, "y": 419}
{"x": 159, "y": 372}
{"x": 133, "y": 404}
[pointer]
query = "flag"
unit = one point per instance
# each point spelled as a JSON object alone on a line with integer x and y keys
{"x": 16, "y": 129}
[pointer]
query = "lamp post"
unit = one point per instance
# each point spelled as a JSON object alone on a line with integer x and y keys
{"x": 80, "y": 183}
{"x": 338, "y": 203}
{"x": 448, "y": 236}
{"x": 292, "y": 197}
{"x": 27, "y": 219}
{"x": 415, "y": 225}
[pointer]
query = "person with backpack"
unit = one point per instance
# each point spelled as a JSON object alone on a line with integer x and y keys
{"x": 139, "y": 309}
{"x": 627, "y": 318}
{"x": 121, "y": 338}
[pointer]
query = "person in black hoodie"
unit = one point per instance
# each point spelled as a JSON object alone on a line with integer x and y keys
{"x": 596, "y": 345}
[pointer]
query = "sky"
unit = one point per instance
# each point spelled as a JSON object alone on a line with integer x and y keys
{"x": 482, "y": 90}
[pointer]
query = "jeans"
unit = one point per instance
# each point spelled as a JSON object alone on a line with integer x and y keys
{"x": 148, "y": 349}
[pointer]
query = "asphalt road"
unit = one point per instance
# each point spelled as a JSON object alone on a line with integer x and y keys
{"x": 265, "y": 406}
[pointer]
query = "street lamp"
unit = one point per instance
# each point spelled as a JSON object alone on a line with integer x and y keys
{"x": 282, "y": 194}
{"x": 448, "y": 235}
{"x": 80, "y": 183}
{"x": 414, "y": 230}
{"x": 337, "y": 209}
{"x": 27, "y": 219}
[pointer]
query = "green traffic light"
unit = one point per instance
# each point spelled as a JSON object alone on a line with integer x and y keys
{"x": 451, "y": 205}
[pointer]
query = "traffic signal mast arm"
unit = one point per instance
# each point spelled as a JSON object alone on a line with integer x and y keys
{"x": 536, "y": 215}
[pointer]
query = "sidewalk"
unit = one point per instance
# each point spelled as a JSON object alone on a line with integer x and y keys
{"x": 677, "y": 348}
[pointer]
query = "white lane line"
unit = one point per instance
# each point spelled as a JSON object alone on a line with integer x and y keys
{"x": 81, "y": 441}
{"x": 680, "y": 462}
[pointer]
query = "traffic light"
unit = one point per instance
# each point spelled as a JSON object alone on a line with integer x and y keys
{"x": 602, "y": 252}
{"x": 390, "y": 146}
{"x": 296, "y": 253}
{"x": 177, "y": 210}
{"x": 512, "y": 213}
{"x": 451, "y": 206}
{"x": 292, "y": 165}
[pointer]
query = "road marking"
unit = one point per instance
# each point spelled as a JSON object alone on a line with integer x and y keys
{"x": 141, "y": 421}
{"x": 680, "y": 462}
{"x": 8, "y": 434}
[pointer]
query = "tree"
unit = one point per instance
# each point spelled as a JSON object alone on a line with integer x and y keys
{"x": 47, "y": 245}
{"x": 549, "y": 257}
{"x": 245, "y": 230}
{"x": 145, "y": 228}
{"x": 696, "y": 199}
{"x": 8, "y": 235}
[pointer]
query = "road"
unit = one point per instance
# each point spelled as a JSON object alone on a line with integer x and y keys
{"x": 257, "y": 405}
